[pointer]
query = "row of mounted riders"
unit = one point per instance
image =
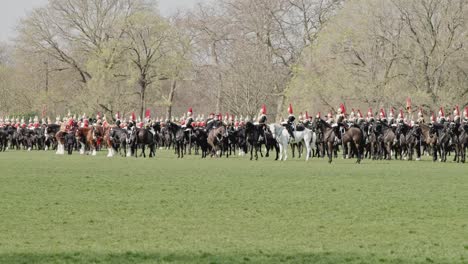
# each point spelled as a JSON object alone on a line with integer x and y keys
{"x": 373, "y": 140}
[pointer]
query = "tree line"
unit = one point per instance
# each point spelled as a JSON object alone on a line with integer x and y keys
{"x": 235, "y": 55}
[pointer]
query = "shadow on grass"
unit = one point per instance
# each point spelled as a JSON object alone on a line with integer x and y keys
{"x": 131, "y": 257}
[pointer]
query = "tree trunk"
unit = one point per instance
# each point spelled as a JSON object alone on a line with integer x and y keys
{"x": 171, "y": 98}
{"x": 215, "y": 61}
{"x": 279, "y": 107}
{"x": 142, "y": 97}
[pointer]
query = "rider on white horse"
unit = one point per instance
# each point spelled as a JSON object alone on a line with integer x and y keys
{"x": 289, "y": 124}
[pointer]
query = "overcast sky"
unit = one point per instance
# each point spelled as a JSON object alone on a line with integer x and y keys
{"x": 12, "y": 10}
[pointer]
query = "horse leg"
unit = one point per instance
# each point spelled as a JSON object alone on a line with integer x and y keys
{"x": 330, "y": 151}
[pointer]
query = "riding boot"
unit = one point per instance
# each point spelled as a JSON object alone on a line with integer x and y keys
{"x": 291, "y": 134}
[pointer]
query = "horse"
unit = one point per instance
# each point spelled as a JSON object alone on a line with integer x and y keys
{"x": 116, "y": 139}
{"x": 201, "y": 139}
{"x": 430, "y": 139}
{"x": 178, "y": 136}
{"x": 215, "y": 140}
{"x": 355, "y": 138}
{"x": 458, "y": 138}
{"x": 409, "y": 139}
{"x": 282, "y": 136}
{"x": 443, "y": 139}
{"x": 89, "y": 137}
{"x": 3, "y": 139}
{"x": 50, "y": 131}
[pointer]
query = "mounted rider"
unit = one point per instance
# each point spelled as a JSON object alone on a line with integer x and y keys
{"x": 441, "y": 118}
{"x": 391, "y": 117}
{"x": 341, "y": 114}
{"x": 118, "y": 122}
{"x": 188, "y": 125}
{"x": 352, "y": 117}
{"x": 359, "y": 118}
{"x": 401, "y": 117}
{"x": 131, "y": 122}
{"x": 370, "y": 116}
{"x": 382, "y": 116}
{"x": 420, "y": 117}
{"x": 456, "y": 115}
{"x": 465, "y": 115}
{"x": 289, "y": 124}
{"x": 262, "y": 118}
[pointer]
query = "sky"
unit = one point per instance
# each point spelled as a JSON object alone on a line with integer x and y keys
{"x": 13, "y": 10}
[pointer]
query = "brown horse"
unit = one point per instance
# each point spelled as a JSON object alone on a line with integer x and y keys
{"x": 429, "y": 139}
{"x": 355, "y": 138}
{"x": 89, "y": 137}
{"x": 329, "y": 136}
{"x": 60, "y": 137}
{"x": 215, "y": 140}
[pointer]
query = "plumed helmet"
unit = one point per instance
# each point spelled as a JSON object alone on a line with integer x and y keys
{"x": 290, "y": 110}
{"x": 263, "y": 110}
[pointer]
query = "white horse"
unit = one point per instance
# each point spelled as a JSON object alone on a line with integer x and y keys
{"x": 281, "y": 134}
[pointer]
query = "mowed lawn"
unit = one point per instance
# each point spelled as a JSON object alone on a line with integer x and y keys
{"x": 82, "y": 209}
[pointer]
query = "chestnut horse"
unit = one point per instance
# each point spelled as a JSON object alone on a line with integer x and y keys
{"x": 89, "y": 137}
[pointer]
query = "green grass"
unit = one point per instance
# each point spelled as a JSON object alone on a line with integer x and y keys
{"x": 81, "y": 209}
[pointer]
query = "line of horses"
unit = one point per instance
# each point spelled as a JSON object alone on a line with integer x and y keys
{"x": 374, "y": 140}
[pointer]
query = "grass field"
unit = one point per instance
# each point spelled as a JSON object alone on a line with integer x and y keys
{"x": 81, "y": 209}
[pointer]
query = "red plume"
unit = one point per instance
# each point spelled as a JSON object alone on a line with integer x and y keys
{"x": 307, "y": 115}
{"x": 133, "y": 116}
{"x": 401, "y": 113}
{"x": 290, "y": 109}
{"x": 457, "y": 110}
{"x": 264, "y": 111}
{"x": 442, "y": 113}
{"x": 343, "y": 108}
{"x": 382, "y": 113}
{"x": 148, "y": 113}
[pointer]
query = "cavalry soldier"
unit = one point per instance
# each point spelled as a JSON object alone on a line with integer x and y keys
{"x": 105, "y": 124}
{"x": 391, "y": 117}
{"x": 131, "y": 121}
{"x": 456, "y": 115}
{"x": 352, "y": 116}
{"x": 330, "y": 119}
{"x": 370, "y": 115}
{"x": 262, "y": 118}
{"x": 441, "y": 118}
{"x": 420, "y": 117}
{"x": 400, "y": 117}
{"x": 36, "y": 122}
{"x": 212, "y": 122}
{"x": 306, "y": 121}
{"x": 300, "y": 119}
{"x": 118, "y": 122}
{"x": 188, "y": 126}
{"x": 98, "y": 119}
{"x": 382, "y": 116}
{"x": 341, "y": 114}
{"x": 433, "y": 118}
{"x": 360, "y": 117}
{"x": 290, "y": 122}
{"x": 465, "y": 115}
